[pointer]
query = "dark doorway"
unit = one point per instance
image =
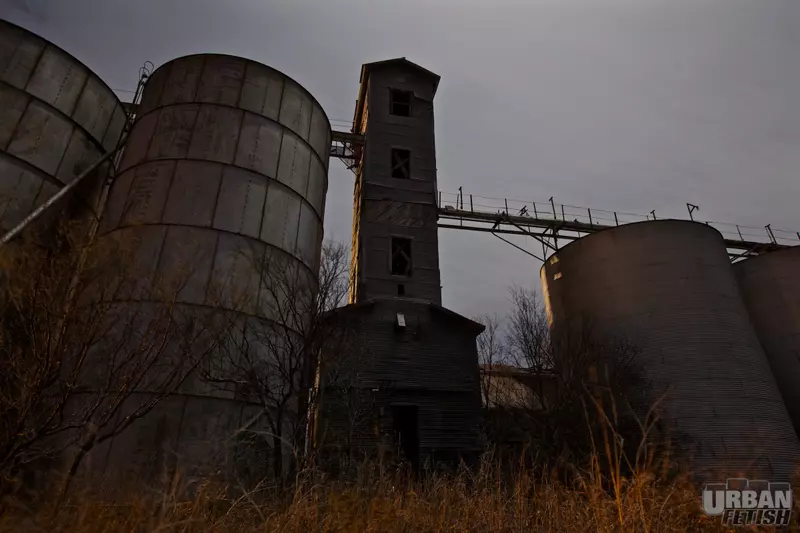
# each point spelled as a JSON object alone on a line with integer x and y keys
{"x": 406, "y": 432}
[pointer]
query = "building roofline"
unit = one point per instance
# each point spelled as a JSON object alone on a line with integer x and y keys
{"x": 364, "y": 77}
{"x": 469, "y": 323}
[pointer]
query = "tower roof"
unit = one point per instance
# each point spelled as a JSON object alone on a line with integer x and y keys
{"x": 400, "y": 61}
{"x": 366, "y": 68}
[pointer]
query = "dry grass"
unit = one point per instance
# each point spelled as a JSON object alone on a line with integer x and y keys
{"x": 482, "y": 501}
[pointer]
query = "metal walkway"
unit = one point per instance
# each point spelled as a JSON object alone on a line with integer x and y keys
{"x": 549, "y": 223}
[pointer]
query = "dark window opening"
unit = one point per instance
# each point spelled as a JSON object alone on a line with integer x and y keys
{"x": 401, "y": 163}
{"x": 400, "y": 103}
{"x": 401, "y": 290}
{"x": 401, "y": 256}
{"x": 405, "y": 422}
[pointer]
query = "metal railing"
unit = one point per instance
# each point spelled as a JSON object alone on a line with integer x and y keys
{"x": 572, "y": 221}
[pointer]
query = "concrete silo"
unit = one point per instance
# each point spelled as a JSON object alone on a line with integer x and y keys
{"x": 224, "y": 175}
{"x": 667, "y": 287}
{"x": 57, "y": 118}
{"x": 770, "y": 287}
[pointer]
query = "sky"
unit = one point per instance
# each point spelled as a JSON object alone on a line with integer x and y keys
{"x": 629, "y": 105}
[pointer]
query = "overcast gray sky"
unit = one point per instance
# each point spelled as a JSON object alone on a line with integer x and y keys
{"x": 630, "y": 105}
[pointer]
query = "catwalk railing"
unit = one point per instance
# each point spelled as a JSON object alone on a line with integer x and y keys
{"x": 551, "y": 222}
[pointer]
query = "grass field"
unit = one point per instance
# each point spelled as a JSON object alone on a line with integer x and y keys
{"x": 479, "y": 501}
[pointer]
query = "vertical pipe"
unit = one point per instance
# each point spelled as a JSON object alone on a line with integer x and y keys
{"x": 536, "y": 215}
{"x": 563, "y": 218}
{"x": 440, "y": 199}
{"x": 739, "y": 232}
{"x": 616, "y": 220}
{"x": 471, "y": 210}
{"x": 771, "y": 235}
{"x": 552, "y": 203}
{"x": 506, "y": 202}
{"x": 590, "y": 217}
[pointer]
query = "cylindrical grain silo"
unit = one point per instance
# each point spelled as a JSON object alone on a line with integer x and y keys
{"x": 770, "y": 287}
{"x": 221, "y": 188}
{"x": 667, "y": 288}
{"x": 57, "y": 118}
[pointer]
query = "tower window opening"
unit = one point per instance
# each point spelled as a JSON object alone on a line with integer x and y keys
{"x": 401, "y": 256}
{"x": 401, "y": 163}
{"x": 400, "y": 103}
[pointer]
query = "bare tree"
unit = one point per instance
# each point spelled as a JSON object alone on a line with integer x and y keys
{"x": 556, "y": 384}
{"x": 491, "y": 355}
{"x": 271, "y": 360}
{"x": 77, "y": 366}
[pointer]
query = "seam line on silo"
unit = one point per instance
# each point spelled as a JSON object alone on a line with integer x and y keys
{"x": 80, "y": 95}
{"x": 212, "y": 307}
{"x": 264, "y": 177}
{"x": 28, "y": 33}
{"x": 172, "y": 178}
{"x": 218, "y": 104}
{"x": 16, "y": 129}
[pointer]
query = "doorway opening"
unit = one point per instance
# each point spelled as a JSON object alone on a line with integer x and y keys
{"x": 405, "y": 420}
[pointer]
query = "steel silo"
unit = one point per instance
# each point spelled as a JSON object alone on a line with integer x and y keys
{"x": 770, "y": 286}
{"x": 57, "y": 118}
{"x": 667, "y": 287}
{"x": 224, "y": 173}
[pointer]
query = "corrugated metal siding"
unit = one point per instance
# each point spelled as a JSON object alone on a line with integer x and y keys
{"x": 224, "y": 175}
{"x": 57, "y": 118}
{"x": 668, "y": 287}
{"x": 770, "y": 286}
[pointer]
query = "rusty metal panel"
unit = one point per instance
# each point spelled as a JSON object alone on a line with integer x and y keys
{"x": 281, "y": 218}
{"x": 198, "y": 181}
{"x": 138, "y": 141}
{"x": 273, "y": 298}
{"x": 667, "y": 287}
{"x": 221, "y": 82}
{"x": 13, "y": 104}
{"x": 154, "y": 87}
{"x": 296, "y": 107}
{"x": 115, "y": 206}
{"x": 320, "y": 133}
{"x": 114, "y": 132}
{"x": 41, "y": 138}
{"x": 19, "y": 52}
{"x": 293, "y": 168}
{"x": 216, "y": 133}
{"x": 185, "y": 264}
{"x": 81, "y": 153}
{"x": 317, "y": 186}
{"x": 262, "y": 91}
{"x": 147, "y": 195}
{"x": 18, "y": 190}
{"x": 308, "y": 234}
{"x": 58, "y": 80}
{"x": 241, "y": 202}
{"x": 95, "y": 108}
{"x": 173, "y": 132}
{"x": 234, "y": 280}
{"x": 770, "y": 287}
{"x": 143, "y": 244}
{"x": 259, "y": 145}
{"x": 181, "y": 85}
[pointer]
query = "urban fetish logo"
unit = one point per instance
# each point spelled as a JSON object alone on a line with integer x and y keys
{"x": 741, "y": 502}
